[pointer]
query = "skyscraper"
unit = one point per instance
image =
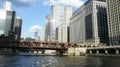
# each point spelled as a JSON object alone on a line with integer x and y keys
{"x": 10, "y": 22}
{"x": 77, "y": 26}
{"x": 42, "y": 38}
{"x": 7, "y": 19}
{"x": 2, "y": 21}
{"x": 7, "y": 5}
{"x": 113, "y": 12}
{"x": 89, "y": 23}
{"x": 10, "y": 27}
{"x": 57, "y": 18}
{"x": 65, "y": 26}
{"x": 48, "y": 27}
{"x": 36, "y": 36}
{"x": 18, "y": 27}
{"x": 96, "y": 26}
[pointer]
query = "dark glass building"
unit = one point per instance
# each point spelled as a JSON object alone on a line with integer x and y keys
{"x": 18, "y": 27}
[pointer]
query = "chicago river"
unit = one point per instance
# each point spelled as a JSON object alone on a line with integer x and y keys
{"x": 57, "y": 61}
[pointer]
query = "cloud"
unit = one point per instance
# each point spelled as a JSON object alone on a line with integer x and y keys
{"x": 20, "y": 3}
{"x": 35, "y": 28}
{"x": 23, "y": 3}
{"x": 74, "y": 3}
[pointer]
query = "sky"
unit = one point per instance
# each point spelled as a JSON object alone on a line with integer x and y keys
{"x": 33, "y": 13}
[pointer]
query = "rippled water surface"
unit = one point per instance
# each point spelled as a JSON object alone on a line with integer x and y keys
{"x": 57, "y": 61}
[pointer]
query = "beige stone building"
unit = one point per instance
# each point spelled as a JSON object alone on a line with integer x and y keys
{"x": 89, "y": 23}
{"x": 65, "y": 26}
{"x": 113, "y": 12}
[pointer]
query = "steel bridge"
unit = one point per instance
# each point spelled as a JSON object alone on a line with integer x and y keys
{"x": 23, "y": 44}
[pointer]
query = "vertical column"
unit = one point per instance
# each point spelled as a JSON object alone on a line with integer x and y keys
{"x": 106, "y": 52}
{"x": 90, "y": 51}
{"x": 97, "y": 52}
{"x": 117, "y": 51}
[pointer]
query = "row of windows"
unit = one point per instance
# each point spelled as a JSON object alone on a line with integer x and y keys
{"x": 102, "y": 25}
{"x": 115, "y": 38}
{"x": 114, "y": 10}
{"x": 113, "y": 1}
{"x": 88, "y": 25}
{"x": 101, "y": 7}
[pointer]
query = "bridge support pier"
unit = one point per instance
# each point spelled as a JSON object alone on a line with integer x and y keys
{"x": 35, "y": 52}
{"x": 106, "y": 52}
{"x": 90, "y": 51}
{"x": 97, "y": 51}
{"x": 117, "y": 51}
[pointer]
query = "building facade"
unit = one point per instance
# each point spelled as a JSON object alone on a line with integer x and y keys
{"x": 57, "y": 18}
{"x": 36, "y": 36}
{"x": 48, "y": 28}
{"x": 7, "y": 5}
{"x": 2, "y": 21}
{"x": 96, "y": 27}
{"x": 113, "y": 12}
{"x": 89, "y": 23}
{"x": 18, "y": 28}
{"x": 42, "y": 34}
{"x": 77, "y": 26}
{"x": 8, "y": 23}
{"x": 65, "y": 26}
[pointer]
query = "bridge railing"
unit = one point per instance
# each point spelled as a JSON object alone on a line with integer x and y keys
{"x": 46, "y": 44}
{"x": 36, "y": 44}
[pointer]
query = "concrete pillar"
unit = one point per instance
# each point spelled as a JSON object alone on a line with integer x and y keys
{"x": 77, "y": 52}
{"x": 39, "y": 52}
{"x": 71, "y": 51}
{"x": 106, "y": 52}
{"x": 97, "y": 51}
{"x": 90, "y": 51}
{"x": 35, "y": 51}
{"x": 117, "y": 51}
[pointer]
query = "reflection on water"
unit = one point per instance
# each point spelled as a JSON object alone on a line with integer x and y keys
{"x": 57, "y": 61}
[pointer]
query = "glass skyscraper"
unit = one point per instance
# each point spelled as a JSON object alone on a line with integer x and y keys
{"x": 2, "y": 21}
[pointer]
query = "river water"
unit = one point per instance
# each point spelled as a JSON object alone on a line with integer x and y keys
{"x": 57, "y": 61}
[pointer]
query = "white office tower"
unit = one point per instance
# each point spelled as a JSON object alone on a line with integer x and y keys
{"x": 7, "y": 5}
{"x": 47, "y": 28}
{"x": 57, "y": 16}
{"x": 65, "y": 26}
{"x": 42, "y": 35}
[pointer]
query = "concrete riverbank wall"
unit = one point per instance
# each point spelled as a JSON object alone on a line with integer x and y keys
{"x": 76, "y": 51}
{"x": 82, "y": 51}
{"x": 113, "y": 51}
